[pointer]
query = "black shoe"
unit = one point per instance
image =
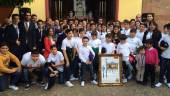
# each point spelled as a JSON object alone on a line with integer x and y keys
{"x": 27, "y": 86}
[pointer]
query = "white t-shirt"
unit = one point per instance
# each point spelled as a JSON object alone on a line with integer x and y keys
{"x": 166, "y": 53}
{"x": 149, "y": 35}
{"x": 163, "y": 34}
{"x": 57, "y": 59}
{"x": 88, "y": 34}
{"x": 110, "y": 47}
{"x": 27, "y": 60}
{"x": 102, "y": 36}
{"x": 134, "y": 43}
{"x": 125, "y": 50}
{"x": 126, "y": 32}
{"x": 84, "y": 53}
{"x": 140, "y": 35}
{"x": 68, "y": 43}
{"x": 95, "y": 43}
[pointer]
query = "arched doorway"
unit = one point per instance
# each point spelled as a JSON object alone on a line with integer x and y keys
{"x": 97, "y": 8}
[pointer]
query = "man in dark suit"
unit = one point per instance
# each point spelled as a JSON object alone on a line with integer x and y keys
{"x": 12, "y": 36}
{"x": 28, "y": 34}
{"x": 40, "y": 36}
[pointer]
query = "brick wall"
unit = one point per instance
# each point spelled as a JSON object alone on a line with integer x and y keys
{"x": 161, "y": 8}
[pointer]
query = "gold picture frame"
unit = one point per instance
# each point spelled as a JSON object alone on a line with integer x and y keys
{"x": 110, "y": 70}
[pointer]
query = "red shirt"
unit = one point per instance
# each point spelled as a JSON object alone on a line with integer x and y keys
{"x": 151, "y": 56}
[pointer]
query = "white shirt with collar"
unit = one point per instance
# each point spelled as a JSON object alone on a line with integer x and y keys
{"x": 56, "y": 59}
{"x": 26, "y": 60}
{"x": 149, "y": 35}
{"x": 84, "y": 53}
{"x": 102, "y": 36}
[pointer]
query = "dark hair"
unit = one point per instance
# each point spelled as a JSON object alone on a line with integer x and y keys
{"x": 4, "y": 44}
{"x": 33, "y": 15}
{"x": 149, "y": 41}
{"x": 85, "y": 38}
{"x": 156, "y": 31}
{"x": 47, "y": 33}
{"x": 108, "y": 35}
{"x": 140, "y": 48}
{"x": 94, "y": 33}
{"x": 35, "y": 51}
{"x": 53, "y": 46}
{"x": 132, "y": 20}
{"x": 141, "y": 23}
{"x": 133, "y": 30}
{"x": 123, "y": 37}
{"x": 14, "y": 15}
{"x": 168, "y": 26}
{"x": 81, "y": 29}
{"x": 67, "y": 31}
{"x": 126, "y": 21}
{"x": 39, "y": 20}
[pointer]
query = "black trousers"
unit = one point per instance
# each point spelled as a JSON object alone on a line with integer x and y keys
{"x": 84, "y": 68}
{"x": 149, "y": 72}
{"x": 164, "y": 70}
{"x": 51, "y": 82}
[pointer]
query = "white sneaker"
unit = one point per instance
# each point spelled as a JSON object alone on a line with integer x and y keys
{"x": 46, "y": 86}
{"x": 158, "y": 84}
{"x": 168, "y": 84}
{"x": 15, "y": 88}
{"x": 69, "y": 84}
{"x": 124, "y": 80}
{"x": 94, "y": 82}
{"x": 82, "y": 83}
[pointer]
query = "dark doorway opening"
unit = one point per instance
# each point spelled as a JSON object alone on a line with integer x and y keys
{"x": 99, "y": 8}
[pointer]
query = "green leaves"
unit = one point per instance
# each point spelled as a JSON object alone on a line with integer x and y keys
{"x": 14, "y": 2}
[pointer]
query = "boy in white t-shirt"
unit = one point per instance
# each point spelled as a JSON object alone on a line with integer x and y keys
{"x": 95, "y": 43}
{"x": 68, "y": 48}
{"x": 124, "y": 49}
{"x": 133, "y": 41}
{"x": 33, "y": 63}
{"x": 126, "y": 28}
{"x": 108, "y": 47}
{"x": 86, "y": 55}
{"x": 58, "y": 59}
{"x": 165, "y": 59}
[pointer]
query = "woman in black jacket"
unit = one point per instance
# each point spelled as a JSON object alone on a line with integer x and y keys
{"x": 152, "y": 33}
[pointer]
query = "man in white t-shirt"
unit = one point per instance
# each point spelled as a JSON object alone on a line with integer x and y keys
{"x": 165, "y": 60}
{"x": 33, "y": 63}
{"x": 133, "y": 41}
{"x": 58, "y": 58}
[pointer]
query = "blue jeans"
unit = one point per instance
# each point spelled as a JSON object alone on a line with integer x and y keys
{"x": 4, "y": 80}
{"x": 3, "y": 83}
{"x": 27, "y": 74}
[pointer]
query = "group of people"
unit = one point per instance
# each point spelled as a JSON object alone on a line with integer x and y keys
{"x": 36, "y": 51}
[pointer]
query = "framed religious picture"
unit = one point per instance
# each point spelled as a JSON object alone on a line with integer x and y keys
{"x": 110, "y": 69}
